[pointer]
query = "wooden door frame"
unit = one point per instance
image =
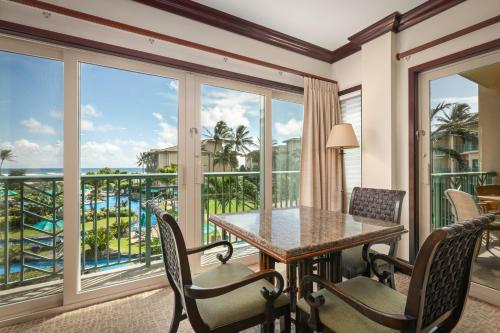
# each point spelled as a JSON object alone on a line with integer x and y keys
{"x": 413, "y": 118}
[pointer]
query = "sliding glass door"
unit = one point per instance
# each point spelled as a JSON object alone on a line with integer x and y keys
{"x": 459, "y": 150}
{"x": 129, "y": 154}
{"x": 86, "y": 140}
{"x": 31, "y": 175}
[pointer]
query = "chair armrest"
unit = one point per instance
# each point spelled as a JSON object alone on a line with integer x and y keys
{"x": 394, "y": 321}
{"x": 399, "y": 265}
{"x": 197, "y": 292}
{"x": 220, "y": 257}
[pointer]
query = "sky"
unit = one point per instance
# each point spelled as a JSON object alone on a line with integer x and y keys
{"x": 454, "y": 89}
{"x": 122, "y": 113}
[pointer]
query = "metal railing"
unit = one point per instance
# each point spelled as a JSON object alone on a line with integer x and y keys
{"x": 232, "y": 192}
{"x": 467, "y": 147}
{"x": 464, "y": 181}
{"x": 116, "y": 226}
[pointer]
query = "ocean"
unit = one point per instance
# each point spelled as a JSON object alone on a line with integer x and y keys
{"x": 59, "y": 171}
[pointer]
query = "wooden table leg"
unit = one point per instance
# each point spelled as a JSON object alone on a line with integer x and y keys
{"x": 266, "y": 262}
{"x": 335, "y": 267}
{"x": 291, "y": 273}
{"x": 305, "y": 268}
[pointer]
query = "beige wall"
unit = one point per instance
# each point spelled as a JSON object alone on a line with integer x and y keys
{"x": 489, "y": 124}
{"x": 353, "y": 70}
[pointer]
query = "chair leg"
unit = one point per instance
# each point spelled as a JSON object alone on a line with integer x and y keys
{"x": 301, "y": 322}
{"x": 267, "y": 328}
{"x": 177, "y": 314}
{"x": 487, "y": 240}
{"x": 478, "y": 246}
{"x": 286, "y": 322}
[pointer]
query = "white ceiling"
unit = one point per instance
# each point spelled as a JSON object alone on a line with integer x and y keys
{"x": 326, "y": 23}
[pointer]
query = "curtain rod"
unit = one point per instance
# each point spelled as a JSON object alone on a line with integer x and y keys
{"x": 167, "y": 38}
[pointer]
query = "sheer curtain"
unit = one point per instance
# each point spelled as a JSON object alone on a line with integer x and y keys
{"x": 321, "y": 170}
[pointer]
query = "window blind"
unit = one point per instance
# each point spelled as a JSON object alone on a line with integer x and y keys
{"x": 350, "y": 109}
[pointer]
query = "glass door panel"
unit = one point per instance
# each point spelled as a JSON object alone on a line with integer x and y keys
{"x": 31, "y": 175}
{"x": 129, "y": 155}
{"x": 286, "y": 147}
{"x": 231, "y": 151}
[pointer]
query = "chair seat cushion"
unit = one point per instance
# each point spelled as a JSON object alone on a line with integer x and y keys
{"x": 240, "y": 304}
{"x": 352, "y": 262}
{"x": 339, "y": 317}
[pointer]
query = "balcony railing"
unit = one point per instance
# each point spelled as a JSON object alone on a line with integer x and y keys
{"x": 231, "y": 192}
{"x": 116, "y": 226}
{"x": 467, "y": 147}
{"x": 465, "y": 181}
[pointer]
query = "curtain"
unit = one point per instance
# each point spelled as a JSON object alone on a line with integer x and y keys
{"x": 321, "y": 168}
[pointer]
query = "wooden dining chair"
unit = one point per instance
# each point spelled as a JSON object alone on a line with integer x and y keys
{"x": 379, "y": 204}
{"x": 463, "y": 207}
{"x": 436, "y": 297}
{"x": 228, "y": 298}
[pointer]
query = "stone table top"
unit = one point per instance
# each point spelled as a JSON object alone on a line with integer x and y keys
{"x": 296, "y": 233}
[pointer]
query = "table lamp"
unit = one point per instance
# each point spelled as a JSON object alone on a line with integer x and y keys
{"x": 342, "y": 137}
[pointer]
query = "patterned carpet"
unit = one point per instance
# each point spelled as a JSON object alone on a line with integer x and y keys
{"x": 150, "y": 312}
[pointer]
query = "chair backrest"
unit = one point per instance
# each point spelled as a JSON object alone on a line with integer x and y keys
{"x": 488, "y": 190}
{"x": 463, "y": 205}
{"x": 441, "y": 276}
{"x": 377, "y": 203}
{"x": 176, "y": 261}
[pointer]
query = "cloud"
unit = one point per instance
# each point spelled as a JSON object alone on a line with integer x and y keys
{"x": 292, "y": 127}
{"x": 471, "y": 100}
{"x": 28, "y": 154}
{"x": 167, "y": 135}
{"x": 231, "y": 106}
{"x": 157, "y": 116}
{"x": 56, "y": 114}
{"x": 233, "y": 116}
{"x": 87, "y": 112}
{"x": 34, "y": 126}
{"x": 113, "y": 153}
{"x": 174, "y": 85}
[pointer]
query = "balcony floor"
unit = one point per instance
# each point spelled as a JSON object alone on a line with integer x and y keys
{"x": 486, "y": 269}
{"x": 106, "y": 278}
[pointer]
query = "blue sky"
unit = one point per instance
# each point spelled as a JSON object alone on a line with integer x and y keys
{"x": 122, "y": 113}
{"x": 454, "y": 89}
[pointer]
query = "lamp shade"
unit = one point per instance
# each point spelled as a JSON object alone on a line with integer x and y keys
{"x": 342, "y": 136}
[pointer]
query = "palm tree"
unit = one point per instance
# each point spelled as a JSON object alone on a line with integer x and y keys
{"x": 220, "y": 135}
{"x": 146, "y": 160}
{"x": 5, "y": 155}
{"x": 242, "y": 140}
{"x": 457, "y": 122}
{"x": 226, "y": 157}
{"x": 453, "y": 120}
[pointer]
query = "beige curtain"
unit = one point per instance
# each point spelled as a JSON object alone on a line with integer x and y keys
{"x": 320, "y": 173}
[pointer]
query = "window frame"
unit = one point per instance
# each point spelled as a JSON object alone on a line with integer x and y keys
{"x": 189, "y": 111}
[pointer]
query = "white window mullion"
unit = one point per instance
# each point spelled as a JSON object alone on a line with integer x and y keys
{"x": 71, "y": 179}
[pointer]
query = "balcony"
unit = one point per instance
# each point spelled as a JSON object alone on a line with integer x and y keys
{"x": 465, "y": 181}
{"x": 117, "y": 229}
{"x": 468, "y": 147}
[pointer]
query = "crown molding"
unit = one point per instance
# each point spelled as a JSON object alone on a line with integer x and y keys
{"x": 394, "y": 22}
{"x": 204, "y": 14}
{"x": 425, "y": 11}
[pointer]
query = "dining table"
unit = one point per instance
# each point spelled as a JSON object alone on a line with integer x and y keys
{"x": 495, "y": 198}
{"x": 307, "y": 240}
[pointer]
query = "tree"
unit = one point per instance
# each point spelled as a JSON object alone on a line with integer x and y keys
{"x": 242, "y": 140}
{"x": 100, "y": 242}
{"x": 226, "y": 157}
{"x": 5, "y": 155}
{"x": 452, "y": 120}
{"x": 220, "y": 135}
{"x": 146, "y": 161}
